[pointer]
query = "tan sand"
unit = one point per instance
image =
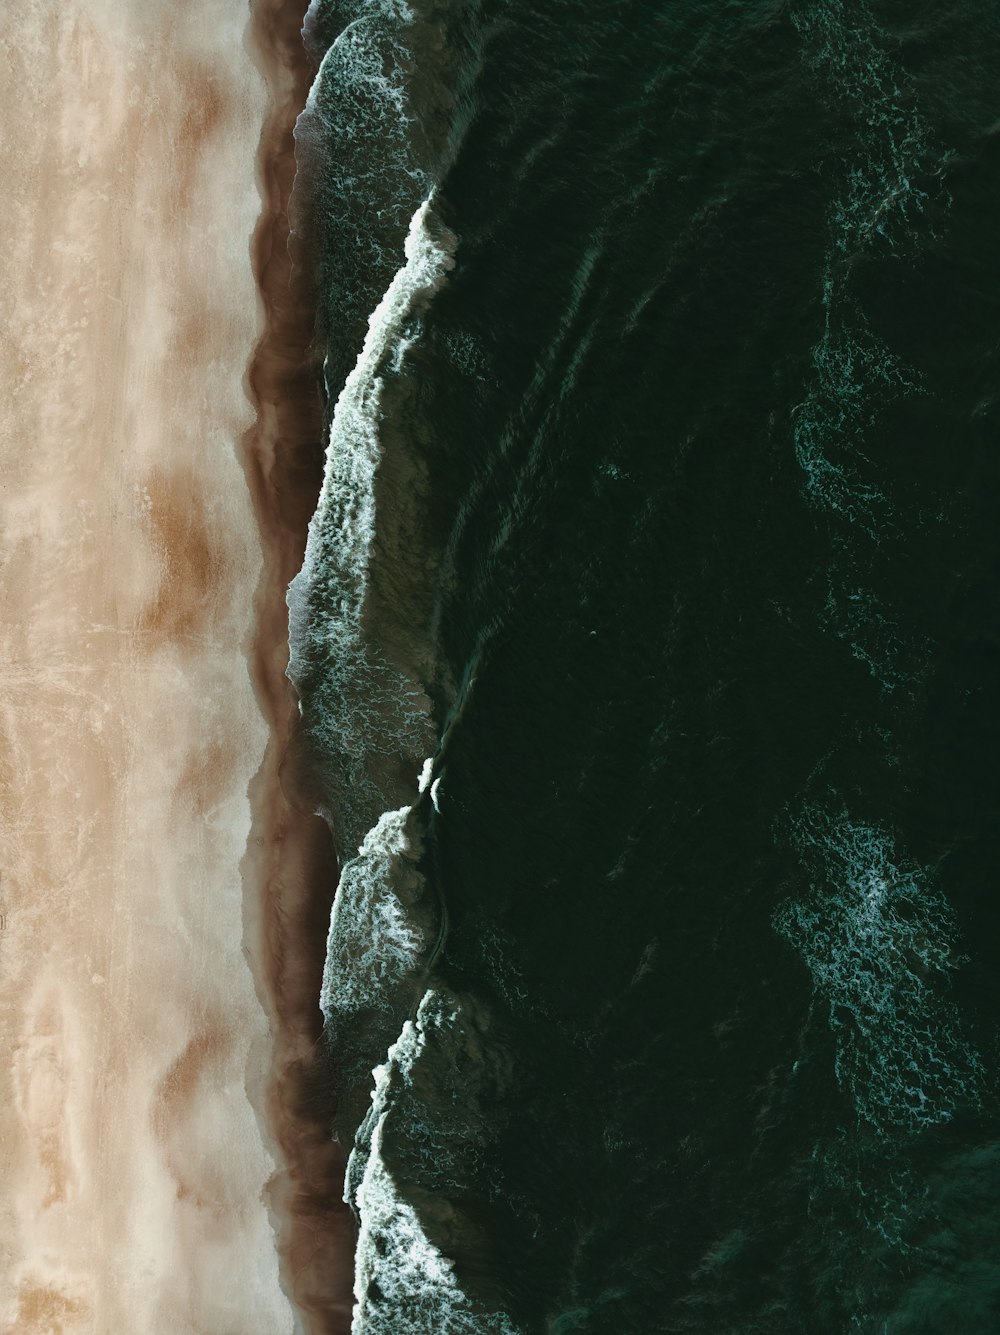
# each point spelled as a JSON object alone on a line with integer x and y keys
{"x": 132, "y": 1166}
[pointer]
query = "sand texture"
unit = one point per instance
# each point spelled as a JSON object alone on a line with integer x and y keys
{"x": 133, "y": 1170}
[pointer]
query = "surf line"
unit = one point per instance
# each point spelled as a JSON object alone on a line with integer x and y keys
{"x": 383, "y": 927}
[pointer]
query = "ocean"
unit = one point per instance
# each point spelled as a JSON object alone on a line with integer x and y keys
{"x": 647, "y": 649}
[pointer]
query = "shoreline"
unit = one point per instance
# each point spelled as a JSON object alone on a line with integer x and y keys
{"x": 290, "y": 868}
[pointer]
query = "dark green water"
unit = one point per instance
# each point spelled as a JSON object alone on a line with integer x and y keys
{"x": 662, "y": 516}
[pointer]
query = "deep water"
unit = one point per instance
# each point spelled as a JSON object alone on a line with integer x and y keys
{"x": 662, "y": 522}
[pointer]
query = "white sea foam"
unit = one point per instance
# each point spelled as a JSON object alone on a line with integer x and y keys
{"x": 373, "y": 942}
{"x": 830, "y": 425}
{"x": 427, "y": 780}
{"x": 879, "y": 940}
{"x": 343, "y": 528}
{"x": 362, "y": 8}
{"x": 854, "y": 371}
{"x": 403, "y": 1284}
{"x": 354, "y": 59}
{"x": 892, "y": 653}
{"x": 880, "y": 191}
{"x": 362, "y": 167}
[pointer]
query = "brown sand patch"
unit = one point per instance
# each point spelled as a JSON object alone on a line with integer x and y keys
{"x": 192, "y": 559}
{"x": 48, "y": 1311}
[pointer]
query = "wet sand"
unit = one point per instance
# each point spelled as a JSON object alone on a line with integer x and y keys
{"x": 291, "y": 868}
{"x": 134, "y": 1169}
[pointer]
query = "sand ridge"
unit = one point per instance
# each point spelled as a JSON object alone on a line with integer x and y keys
{"x": 132, "y": 1166}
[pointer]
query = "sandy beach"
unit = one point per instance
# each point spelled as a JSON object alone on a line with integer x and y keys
{"x": 133, "y": 1166}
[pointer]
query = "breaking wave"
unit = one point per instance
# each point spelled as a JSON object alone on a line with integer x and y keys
{"x": 404, "y": 1284}
{"x": 359, "y": 654}
{"x": 362, "y": 708}
{"x": 376, "y": 937}
{"x": 365, "y": 160}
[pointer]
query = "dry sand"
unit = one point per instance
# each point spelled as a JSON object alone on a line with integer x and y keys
{"x": 132, "y": 1166}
